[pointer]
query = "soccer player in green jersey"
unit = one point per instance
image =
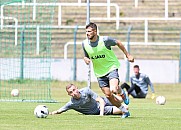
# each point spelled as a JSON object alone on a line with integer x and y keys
{"x": 98, "y": 49}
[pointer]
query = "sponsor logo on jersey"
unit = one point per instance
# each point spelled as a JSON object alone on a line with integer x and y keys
{"x": 98, "y": 56}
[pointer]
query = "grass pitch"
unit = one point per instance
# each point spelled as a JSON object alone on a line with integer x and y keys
{"x": 145, "y": 114}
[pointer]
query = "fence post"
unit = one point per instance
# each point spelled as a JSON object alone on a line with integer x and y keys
{"x": 117, "y": 17}
{"x": 128, "y": 49}
{"x": 22, "y": 54}
{"x": 23, "y": 3}
{"x": 108, "y": 9}
{"x": 136, "y": 3}
{"x": 2, "y": 6}
{"x": 34, "y": 10}
{"x": 75, "y": 56}
{"x": 166, "y": 8}
{"x": 79, "y": 1}
{"x": 146, "y": 30}
{"x": 16, "y": 32}
{"x": 59, "y": 15}
{"x": 180, "y": 61}
{"x": 88, "y": 66}
{"x": 37, "y": 40}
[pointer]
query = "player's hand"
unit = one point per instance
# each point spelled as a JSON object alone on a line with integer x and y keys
{"x": 53, "y": 113}
{"x": 153, "y": 96}
{"x": 87, "y": 60}
{"x": 101, "y": 115}
{"x": 50, "y": 113}
{"x": 130, "y": 58}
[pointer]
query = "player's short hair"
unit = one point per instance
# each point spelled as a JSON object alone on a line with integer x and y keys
{"x": 68, "y": 86}
{"x": 92, "y": 25}
{"x": 136, "y": 66}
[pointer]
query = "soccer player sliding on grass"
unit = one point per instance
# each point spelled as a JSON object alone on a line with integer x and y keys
{"x": 98, "y": 49}
{"x": 88, "y": 102}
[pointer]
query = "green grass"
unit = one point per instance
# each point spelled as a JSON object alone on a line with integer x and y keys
{"x": 145, "y": 114}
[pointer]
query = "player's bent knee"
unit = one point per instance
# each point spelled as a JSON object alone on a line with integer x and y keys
{"x": 108, "y": 95}
{"x": 113, "y": 89}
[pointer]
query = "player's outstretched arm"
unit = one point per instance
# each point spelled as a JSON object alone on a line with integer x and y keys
{"x": 120, "y": 45}
{"x": 54, "y": 112}
{"x": 102, "y": 103}
{"x": 147, "y": 79}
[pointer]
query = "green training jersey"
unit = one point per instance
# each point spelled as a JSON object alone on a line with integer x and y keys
{"x": 104, "y": 60}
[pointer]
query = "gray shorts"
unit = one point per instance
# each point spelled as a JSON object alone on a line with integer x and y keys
{"x": 108, "y": 108}
{"x": 104, "y": 81}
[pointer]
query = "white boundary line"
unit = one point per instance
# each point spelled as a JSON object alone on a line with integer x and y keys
{"x": 161, "y": 107}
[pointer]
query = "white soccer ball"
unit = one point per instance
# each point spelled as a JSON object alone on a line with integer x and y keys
{"x": 160, "y": 100}
{"x": 41, "y": 111}
{"x": 15, "y": 92}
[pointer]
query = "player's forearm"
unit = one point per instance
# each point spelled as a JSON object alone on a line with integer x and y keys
{"x": 120, "y": 45}
{"x": 128, "y": 56}
{"x": 101, "y": 105}
{"x": 102, "y": 110}
{"x": 55, "y": 112}
{"x": 152, "y": 88}
{"x": 150, "y": 84}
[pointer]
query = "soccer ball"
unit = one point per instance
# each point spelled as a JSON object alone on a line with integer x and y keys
{"x": 15, "y": 92}
{"x": 160, "y": 100}
{"x": 41, "y": 111}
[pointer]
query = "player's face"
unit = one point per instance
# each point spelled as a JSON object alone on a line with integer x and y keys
{"x": 73, "y": 92}
{"x": 136, "y": 71}
{"x": 90, "y": 33}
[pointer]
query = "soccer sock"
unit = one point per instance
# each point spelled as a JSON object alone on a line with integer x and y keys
{"x": 121, "y": 92}
{"x": 131, "y": 89}
{"x": 123, "y": 109}
{"x": 137, "y": 89}
{"x": 125, "y": 85}
{"x": 134, "y": 87}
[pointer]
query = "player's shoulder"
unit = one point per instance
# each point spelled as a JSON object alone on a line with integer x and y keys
{"x": 105, "y": 38}
{"x": 84, "y": 41}
{"x": 143, "y": 75}
{"x": 85, "y": 89}
{"x": 132, "y": 76}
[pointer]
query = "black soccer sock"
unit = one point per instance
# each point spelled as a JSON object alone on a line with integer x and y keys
{"x": 137, "y": 89}
{"x": 134, "y": 87}
{"x": 126, "y": 86}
